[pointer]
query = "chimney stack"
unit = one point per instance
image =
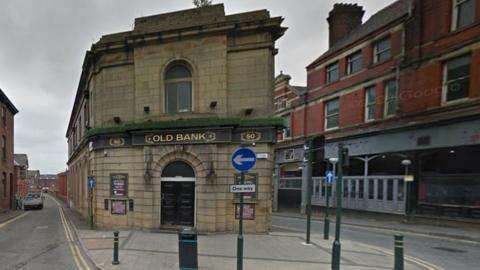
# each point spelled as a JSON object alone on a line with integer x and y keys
{"x": 342, "y": 20}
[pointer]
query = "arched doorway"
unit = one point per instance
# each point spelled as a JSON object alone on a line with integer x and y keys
{"x": 178, "y": 194}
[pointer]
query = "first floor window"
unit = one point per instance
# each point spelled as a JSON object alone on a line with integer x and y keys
{"x": 4, "y": 184}
{"x": 354, "y": 62}
{"x": 333, "y": 72}
{"x": 178, "y": 89}
{"x": 456, "y": 78}
{"x": 463, "y": 13}
{"x": 370, "y": 103}
{"x": 382, "y": 50}
{"x": 4, "y": 147}
{"x": 390, "y": 97}
{"x": 288, "y": 123}
{"x": 332, "y": 112}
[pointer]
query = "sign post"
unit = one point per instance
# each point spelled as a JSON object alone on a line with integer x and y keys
{"x": 91, "y": 186}
{"x": 243, "y": 159}
{"x": 329, "y": 178}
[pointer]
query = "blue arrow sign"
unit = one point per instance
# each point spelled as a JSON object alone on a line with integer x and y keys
{"x": 243, "y": 159}
{"x": 91, "y": 182}
{"x": 329, "y": 177}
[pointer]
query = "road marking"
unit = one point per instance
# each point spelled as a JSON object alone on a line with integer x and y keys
{"x": 13, "y": 219}
{"x": 415, "y": 260}
{"x": 74, "y": 249}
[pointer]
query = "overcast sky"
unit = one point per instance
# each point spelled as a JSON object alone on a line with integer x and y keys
{"x": 42, "y": 45}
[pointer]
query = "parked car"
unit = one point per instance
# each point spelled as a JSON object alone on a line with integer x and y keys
{"x": 33, "y": 200}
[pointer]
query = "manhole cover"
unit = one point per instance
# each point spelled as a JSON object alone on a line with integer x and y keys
{"x": 453, "y": 250}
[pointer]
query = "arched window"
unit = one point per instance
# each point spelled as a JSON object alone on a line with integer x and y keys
{"x": 178, "y": 88}
{"x": 178, "y": 169}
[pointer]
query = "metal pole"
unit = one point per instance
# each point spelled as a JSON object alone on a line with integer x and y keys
{"x": 326, "y": 225}
{"x": 240, "y": 228}
{"x": 91, "y": 208}
{"x": 309, "y": 189}
{"x": 115, "y": 248}
{"x": 336, "y": 250}
{"x": 398, "y": 252}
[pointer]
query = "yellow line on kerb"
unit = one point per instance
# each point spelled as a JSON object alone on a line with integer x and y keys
{"x": 77, "y": 255}
{"x": 13, "y": 219}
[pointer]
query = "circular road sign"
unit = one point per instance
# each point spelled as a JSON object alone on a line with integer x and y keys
{"x": 243, "y": 159}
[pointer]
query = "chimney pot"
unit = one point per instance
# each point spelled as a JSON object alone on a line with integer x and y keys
{"x": 342, "y": 19}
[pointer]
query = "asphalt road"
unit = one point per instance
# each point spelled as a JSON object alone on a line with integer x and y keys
{"x": 38, "y": 240}
{"x": 444, "y": 252}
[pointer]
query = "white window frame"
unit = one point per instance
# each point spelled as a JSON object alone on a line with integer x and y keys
{"x": 327, "y": 116}
{"x": 330, "y": 69}
{"x": 455, "y": 10}
{"x": 445, "y": 82}
{"x": 376, "y": 52}
{"x": 385, "y": 112}
{"x": 369, "y": 103}
{"x": 354, "y": 56}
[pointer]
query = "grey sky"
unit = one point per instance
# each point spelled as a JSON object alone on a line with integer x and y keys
{"x": 42, "y": 45}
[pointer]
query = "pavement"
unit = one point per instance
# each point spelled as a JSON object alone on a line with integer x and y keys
{"x": 280, "y": 250}
{"x": 465, "y": 232}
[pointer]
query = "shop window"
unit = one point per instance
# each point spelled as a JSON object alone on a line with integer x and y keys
{"x": 463, "y": 13}
{"x": 391, "y": 94}
{"x": 333, "y": 72}
{"x": 456, "y": 78}
{"x": 332, "y": 112}
{"x": 178, "y": 89}
{"x": 382, "y": 50}
{"x": 370, "y": 103}
{"x": 354, "y": 62}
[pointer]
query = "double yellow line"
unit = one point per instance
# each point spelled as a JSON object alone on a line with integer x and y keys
{"x": 74, "y": 249}
{"x": 13, "y": 219}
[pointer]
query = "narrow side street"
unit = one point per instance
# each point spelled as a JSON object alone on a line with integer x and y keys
{"x": 40, "y": 239}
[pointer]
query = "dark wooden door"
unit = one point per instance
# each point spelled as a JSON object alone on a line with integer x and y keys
{"x": 178, "y": 203}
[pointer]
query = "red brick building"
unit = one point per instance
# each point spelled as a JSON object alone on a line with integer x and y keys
{"x": 21, "y": 168}
{"x": 61, "y": 188}
{"x": 7, "y": 181}
{"x": 404, "y": 85}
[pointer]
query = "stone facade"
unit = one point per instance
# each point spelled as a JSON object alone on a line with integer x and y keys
{"x": 120, "y": 122}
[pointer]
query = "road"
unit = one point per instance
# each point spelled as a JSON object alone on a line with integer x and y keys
{"x": 40, "y": 239}
{"x": 444, "y": 252}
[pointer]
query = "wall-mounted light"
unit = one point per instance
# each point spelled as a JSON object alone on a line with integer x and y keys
{"x": 211, "y": 171}
{"x": 248, "y": 111}
{"x": 213, "y": 104}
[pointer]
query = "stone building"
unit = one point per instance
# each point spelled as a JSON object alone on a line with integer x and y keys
{"x": 158, "y": 113}
{"x": 7, "y": 181}
{"x": 402, "y": 92}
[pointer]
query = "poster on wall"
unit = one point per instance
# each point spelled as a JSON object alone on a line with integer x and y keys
{"x": 119, "y": 207}
{"x": 119, "y": 183}
{"x": 250, "y": 179}
{"x": 248, "y": 211}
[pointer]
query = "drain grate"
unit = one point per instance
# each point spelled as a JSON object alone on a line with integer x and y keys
{"x": 453, "y": 250}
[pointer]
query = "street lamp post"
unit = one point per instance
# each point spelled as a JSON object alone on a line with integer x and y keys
{"x": 336, "y": 249}
{"x": 407, "y": 180}
{"x": 308, "y": 163}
